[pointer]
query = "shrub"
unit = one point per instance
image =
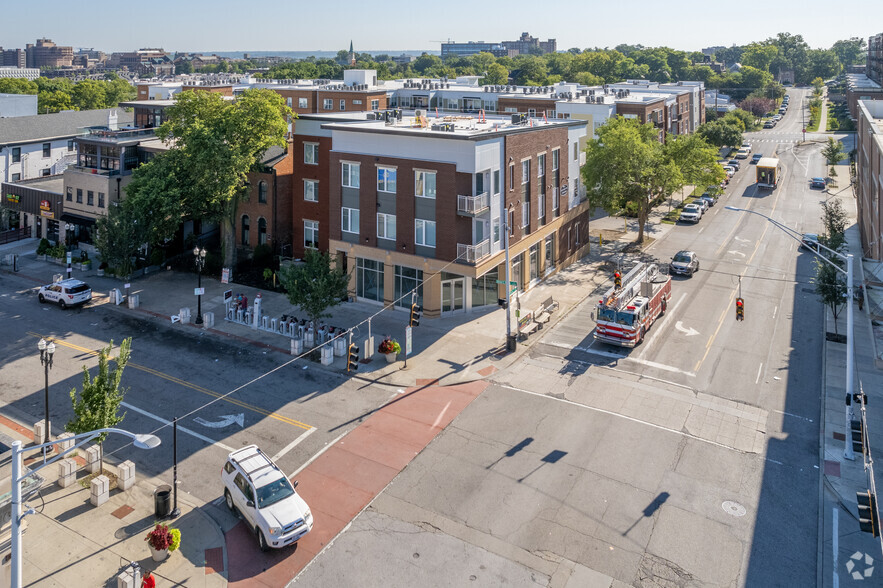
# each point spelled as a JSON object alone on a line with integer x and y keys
{"x": 263, "y": 256}
{"x": 44, "y": 247}
{"x": 213, "y": 263}
{"x": 631, "y": 209}
{"x": 161, "y": 537}
{"x": 157, "y": 257}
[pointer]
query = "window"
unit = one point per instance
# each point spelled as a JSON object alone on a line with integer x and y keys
{"x": 70, "y": 194}
{"x": 302, "y": 103}
{"x": 386, "y": 226}
{"x": 541, "y": 166}
{"x": 16, "y": 177}
{"x": 511, "y": 223}
{"x": 101, "y": 200}
{"x": 424, "y": 184}
{"x": 541, "y": 207}
{"x": 262, "y": 231}
{"x": 311, "y": 153}
{"x": 525, "y": 171}
{"x": 496, "y": 181}
{"x": 350, "y": 175}
{"x": 575, "y": 150}
{"x": 349, "y": 220}
{"x": 244, "y": 230}
{"x": 375, "y": 104}
{"x": 511, "y": 176}
{"x": 534, "y": 261}
{"x": 342, "y": 104}
{"x": 556, "y": 202}
{"x": 406, "y": 281}
{"x": 386, "y": 179}
{"x": 484, "y": 289}
{"x": 550, "y": 253}
{"x": 369, "y": 279}
{"x": 525, "y": 215}
{"x": 357, "y": 101}
{"x": 16, "y": 154}
{"x": 311, "y": 234}
{"x": 496, "y": 230}
{"x": 554, "y": 160}
{"x": 47, "y": 149}
{"x": 262, "y": 191}
{"x": 90, "y": 198}
{"x": 45, "y": 172}
{"x": 424, "y": 232}
{"x": 311, "y": 190}
{"x": 70, "y": 145}
{"x": 531, "y": 112}
{"x": 328, "y": 104}
{"x": 79, "y": 195}
{"x": 288, "y": 102}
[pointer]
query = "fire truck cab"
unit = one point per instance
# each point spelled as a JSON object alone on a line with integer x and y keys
{"x": 625, "y": 314}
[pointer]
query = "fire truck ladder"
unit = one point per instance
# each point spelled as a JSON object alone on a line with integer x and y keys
{"x": 631, "y": 284}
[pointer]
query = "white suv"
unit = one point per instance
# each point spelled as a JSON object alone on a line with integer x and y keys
{"x": 256, "y": 488}
{"x": 66, "y": 293}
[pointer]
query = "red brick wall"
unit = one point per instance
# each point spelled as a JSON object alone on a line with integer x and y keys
{"x": 540, "y": 105}
{"x": 304, "y": 210}
{"x": 348, "y": 97}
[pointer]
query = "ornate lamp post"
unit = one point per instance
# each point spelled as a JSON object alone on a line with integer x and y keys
{"x": 47, "y": 351}
{"x": 199, "y": 254}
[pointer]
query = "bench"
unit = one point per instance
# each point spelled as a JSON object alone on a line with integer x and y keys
{"x": 526, "y": 325}
{"x": 543, "y": 312}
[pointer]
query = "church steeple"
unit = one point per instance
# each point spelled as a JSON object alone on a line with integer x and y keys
{"x": 352, "y": 54}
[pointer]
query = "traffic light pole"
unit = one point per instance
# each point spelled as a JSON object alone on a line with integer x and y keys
{"x": 848, "y": 452}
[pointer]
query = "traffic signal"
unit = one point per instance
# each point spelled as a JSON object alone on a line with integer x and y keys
{"x": 502, "y": 302}
{"x": 857, "y": 430}
{"x": 414, "y": 321}
{"x": 352, "y": 358}
{"x": 617, "y": 279}
{"x": 867, "y": 513}
{"x": 740, "y": 309}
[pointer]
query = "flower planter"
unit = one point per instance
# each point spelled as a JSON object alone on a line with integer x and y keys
{"x": 158, "y": 554}
{"x": 390, "y": 357}
{"x": 100, "y": 273}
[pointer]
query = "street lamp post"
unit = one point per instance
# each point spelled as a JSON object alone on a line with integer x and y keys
{"x": 47, "y": 351}
{"x": 141, "y": 442}
{"x": 848, "y": 452}
{"x": 510, "y": 338}
{"x": 199, "y": 254}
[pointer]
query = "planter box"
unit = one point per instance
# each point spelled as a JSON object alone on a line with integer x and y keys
{"x": 151, "y": 269}
{"x": 100, "y": 273}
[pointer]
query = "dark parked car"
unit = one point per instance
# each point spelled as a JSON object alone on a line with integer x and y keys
{"x": 734, "y": 163}
{"x": 756, "y": 157}
{"x": 817, "y": 183}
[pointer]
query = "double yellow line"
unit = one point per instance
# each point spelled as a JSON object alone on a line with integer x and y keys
{"x": 186, "y": 384}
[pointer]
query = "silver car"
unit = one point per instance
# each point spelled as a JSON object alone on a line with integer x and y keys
{"x": 684, "y": 262}
{"x": 691, "y": 213}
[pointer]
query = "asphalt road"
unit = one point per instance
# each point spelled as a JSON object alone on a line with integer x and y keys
{"x": 226, "y": 395}
{"x": 690, "y": 460}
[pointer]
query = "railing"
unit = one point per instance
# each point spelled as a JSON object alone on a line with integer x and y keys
{"x": 473, "y": 253}
{"x": 14, "y": 235}
{"x": 121, "y": 135}
{"x": 94, "y": 170}
{"x": 472, "y": 204}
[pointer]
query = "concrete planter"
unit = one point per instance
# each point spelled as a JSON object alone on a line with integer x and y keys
{"x": 390, "y": 357}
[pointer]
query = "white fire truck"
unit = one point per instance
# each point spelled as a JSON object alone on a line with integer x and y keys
{"x": 626, "y": 313}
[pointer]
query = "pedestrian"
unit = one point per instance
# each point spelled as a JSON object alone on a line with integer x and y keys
{"x": 148, "y": 581}
{"x": 244, "y": 304}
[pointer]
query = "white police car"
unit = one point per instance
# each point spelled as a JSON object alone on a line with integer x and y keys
{"x": 66, "y": 293}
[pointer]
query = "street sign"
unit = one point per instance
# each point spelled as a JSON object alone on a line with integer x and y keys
{"x": 804, "y": 130}
{"x": 408, "y": 347}
{"x": 127, "y": 285}
{"x": 198, "y": 291}
{"x": 228, "y": 295}
{"x": 68, "y": 256}
{"x": 225, "y": 275}
{"x": 510, "y": 283}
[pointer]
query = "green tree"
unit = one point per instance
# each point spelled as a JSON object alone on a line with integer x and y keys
{"x": 99, "y": 401}
{"x": 833, "y": 152}
{"x": 116, "y": 91}
{"x": 830, "y": 285}
{"x": 530, "y": 70}
{"x": 759, "y": 55}
{"x": 496, "y": 75}
{"x": 155, "y": 200}
{"x": 627, "y": 164}
{"x": 118, "y": 236}
{"x": 851, "y": 51}
{"x": 695, "y": 158}
{"x": 817, "y": 85}
{"x": 18, "y": 86}
{"x": 823, "y": 63}
{"x": 316, "y": 285}
{"x": 89, "y": 95}
{"x": 834, "y": 221}
{"x": 425, "y": 62}
{"x": 53, "y": 101}
{"x": 720, "y": 133}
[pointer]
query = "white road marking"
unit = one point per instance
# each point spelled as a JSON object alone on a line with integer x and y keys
{"x": 610, "y": 355}
{"x": 700, "y": 230}
{"x": 759, "y": 368}
{"x": 441, "y": 414}
{"x": 318, "y": 453}
{"x": 790, "y": 414}
{"x": 741, "y": 239}
{"x": 180, "y": 428}
{"x": 226, "y": 421}
{"x": 734, "y": 252}
{"x": 294, "y": 443}
{"x": 835, "y": 540}
{"x": 688, "y": 332}
{"x": 775, "y": 310}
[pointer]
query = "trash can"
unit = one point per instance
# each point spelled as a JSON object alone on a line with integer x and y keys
{"x": 162, "y": 502}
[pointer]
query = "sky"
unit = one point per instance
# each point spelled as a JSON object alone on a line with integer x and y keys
{"x": 244, "y": 25}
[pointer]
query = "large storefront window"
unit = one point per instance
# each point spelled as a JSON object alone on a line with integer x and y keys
{"x": 550, "y": 253}
{"x": 534, "y": 261}
{"x": 406, "y": 280}
{"x": 369, "y": 279}
{"x": 484, "y": 289}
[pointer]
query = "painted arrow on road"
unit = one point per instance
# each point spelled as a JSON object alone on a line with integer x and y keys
{"x": 736, "y": 253}
{"x": 226, "y": 421}
{"x": 689, "y": 332}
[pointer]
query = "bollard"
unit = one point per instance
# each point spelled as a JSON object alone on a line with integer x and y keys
{"x": 134, "y": 300}
{"x": 40, "y": 432}
{"x": 208, "y": 320}
{"x": 340, "y": 347}
{"x": 327, "y": 355}
{"x": 126, "y": 478}
{"x": 93, "y": 459}
{"x": 274, "y": 326}
{"x": 67, "y": 472}
{"x": 100, "y": 490}
{"x": 309, "y": 338}
{"x": 65, "y": 442}
{"x": 297, "y": 346}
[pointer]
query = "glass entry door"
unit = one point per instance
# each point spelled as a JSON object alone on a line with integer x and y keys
{"x": 452, "y": 295}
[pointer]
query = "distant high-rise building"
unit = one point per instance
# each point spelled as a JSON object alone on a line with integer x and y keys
{"x": 524, "y": 45}
{"x": 47, "y": 54}
{"x": 13, "y": 57}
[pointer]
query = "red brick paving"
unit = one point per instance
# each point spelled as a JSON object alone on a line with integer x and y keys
{"x": 832, "y": 468}
{"x": 488, "y": 371}
{"x": 122, "y": 511}
{"x": 839, "y": 436}
{"x": 347, "y": 477}
{"x": 214, "y": 560}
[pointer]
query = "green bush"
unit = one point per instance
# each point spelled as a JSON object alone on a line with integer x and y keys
{"x": 263, "y": 256}
{"x": 157, "y": 256}
{"x": 44, "y": 247}
{"x": 213, "y": 264}
{"x": 631, "y": 209}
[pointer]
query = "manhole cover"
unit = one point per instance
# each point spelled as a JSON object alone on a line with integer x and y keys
{"x": 733, "y": 508}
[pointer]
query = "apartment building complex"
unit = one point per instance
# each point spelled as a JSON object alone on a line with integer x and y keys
{"x": 45, "y": 53}
{"x": 524, "y": 45}
{"x": 875, "y": 58}
{"x": 869, "y": 177}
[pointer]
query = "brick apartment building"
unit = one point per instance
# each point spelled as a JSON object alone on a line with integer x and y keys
{"x": 869, "y": 170}
{"x": 45, "y": 53}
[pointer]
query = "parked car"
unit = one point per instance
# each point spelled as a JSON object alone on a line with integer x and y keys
{"x": 735, "y": 164}
{"x": 684, "y": 262}
{"x": 746, "y": 145}
{"x": 742, "y": 153}
{"x": 756, "y": 157}
{"x": 701, "y": 204}
{"x": 769, "y": 124}
{"x": 777, "y": 117}
{"x": 817, "y": 183}
{"x": 66, "y": 293}
{"x": 256, "y": 488}
{"x": 691, "y": 213}
{"x": 709, "y": 199}
{"x": 730, "y": 171}
{"x": 810, "y": 241}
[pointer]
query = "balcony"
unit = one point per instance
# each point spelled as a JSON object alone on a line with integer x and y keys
{"x": 473, "y": 253}
{"x": 94, "y": 171}
{"x": 472, "y": 205}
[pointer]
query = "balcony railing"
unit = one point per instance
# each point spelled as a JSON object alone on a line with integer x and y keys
{"x": 472, "y": 205}
{"x": 473, "y": 253}
{"x": 121, "y": 134}
{"x": 94, "y": 171}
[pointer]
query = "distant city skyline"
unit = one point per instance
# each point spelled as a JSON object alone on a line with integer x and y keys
{"x": 227, "y": 25}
